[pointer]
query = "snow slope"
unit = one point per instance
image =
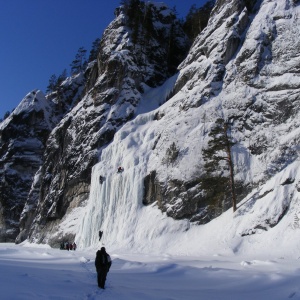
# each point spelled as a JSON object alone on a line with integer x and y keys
{"x": 267, "y": 214}
{"x": 267, "y": 220}
{"x": 250, "y": 253}
{"x": 39, "y": 272}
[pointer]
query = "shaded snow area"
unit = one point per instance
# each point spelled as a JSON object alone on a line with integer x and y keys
{"x": 35, "y": 272}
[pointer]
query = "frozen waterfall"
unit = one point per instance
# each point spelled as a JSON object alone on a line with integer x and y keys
{"x": 115, "y": 205}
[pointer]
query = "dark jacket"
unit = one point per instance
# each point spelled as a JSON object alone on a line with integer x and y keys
{"x": 102, "y": 261}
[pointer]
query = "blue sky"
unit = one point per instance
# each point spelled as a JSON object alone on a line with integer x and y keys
{"x": 41, "y": 37}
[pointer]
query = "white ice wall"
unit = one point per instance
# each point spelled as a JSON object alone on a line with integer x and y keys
{"x": 115, "y": 206}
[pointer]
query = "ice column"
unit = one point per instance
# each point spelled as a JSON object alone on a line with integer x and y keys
{"x": 114, "y": 206}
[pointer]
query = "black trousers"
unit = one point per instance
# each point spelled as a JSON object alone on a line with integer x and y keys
{"x": 101, "y": 276}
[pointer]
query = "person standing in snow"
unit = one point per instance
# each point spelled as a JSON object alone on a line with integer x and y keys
{"x": 102, "y": 264}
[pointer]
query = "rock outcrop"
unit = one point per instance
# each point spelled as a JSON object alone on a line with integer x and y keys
{"x": 243, "y": 67}
{"x": 23, "y": 137}
{"x": 113, "y": 91}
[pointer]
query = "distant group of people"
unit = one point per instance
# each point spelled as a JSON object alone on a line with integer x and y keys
{"x": 68, "y": 246}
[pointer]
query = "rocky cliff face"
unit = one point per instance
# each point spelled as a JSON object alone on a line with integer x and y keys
{"x": 243, "y": 68}
{"x": 23, "y": 136}
{"x": 114, "y": 85}
{"x": 235, "y": 72}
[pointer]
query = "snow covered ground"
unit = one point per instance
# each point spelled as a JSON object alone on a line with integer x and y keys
{"x": 251, "y": 254}
{"x": 39, "y": 272}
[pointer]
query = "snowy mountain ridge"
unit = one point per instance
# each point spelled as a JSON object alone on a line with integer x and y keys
{"x": 244, "y": 68}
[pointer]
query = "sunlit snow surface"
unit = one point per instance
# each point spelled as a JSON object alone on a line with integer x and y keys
{"x": 32, "y": 272}
{"x": 115, "y": 206}
{"x": 250, "y": 254}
